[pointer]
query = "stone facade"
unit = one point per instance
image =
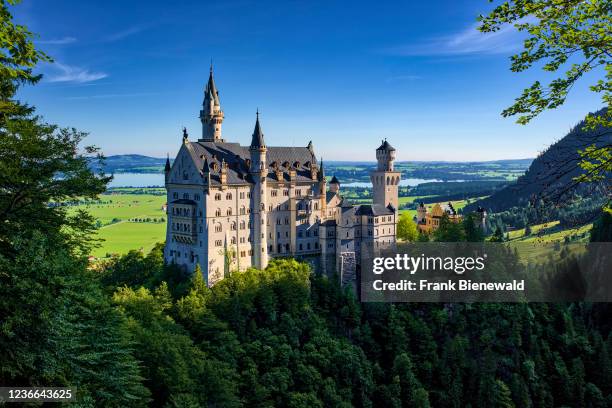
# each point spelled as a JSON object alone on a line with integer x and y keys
{"x": 231, "y": 207}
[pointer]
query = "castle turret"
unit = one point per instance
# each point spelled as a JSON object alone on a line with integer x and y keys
{"x": 259, "y": 172}
{"x": 385, "y": 180}
{"x": 167, "y": 168}
{"x": 334, "y": 185}
{"x": 211, "y": 114}
{"x": 322, "y": 188}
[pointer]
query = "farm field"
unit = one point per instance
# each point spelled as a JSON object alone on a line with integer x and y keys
{"x": 121, "y": 237}
{"x": 116, "y": 213}
{"x": 541, "y": 243}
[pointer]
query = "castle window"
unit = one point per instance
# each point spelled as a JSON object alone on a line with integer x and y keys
{"x": 307, "y": 233}
{"x": 175, "y": 195}
{"x": 315, "y": 233}
{"x": 330, "y": 245}
{"x": 228, "y": 196}
{"x": 218, "y": 197}
{"x": 242, "y": 210}
{"x": 270, "y": 207}
{"x": 229, "y": 211}
{"x": 197, "y": 197}
{"x": 298, "y": 192}
{"x": 248, "y": 195}
{"x": 233, "y": 240}
{"x": 273, "y": 193}
{"x": 233, "y": 226}
{"x": 278, "y": 221}
{"x": 316, "y": 206}
{"x": 287, "y": 247}
{"x": 271, "y": 249}
{"x": 242, "y": 240}
{"x": 316, "y": 245}
{"x": 286, "y": 193}
{"x": 218, "y": 243}
{"x": 308, "y": 245}
{"x": 186, "y": 196}
{"x": 300, "y": 247}
{"x": 218, "y": 212}
{"x": 242, "y": 225}
{"x": 242, "y": 195}
{"x": 279, "y": 248}
{"x": 300, "y": 234}
{"x": 218, "y": 228}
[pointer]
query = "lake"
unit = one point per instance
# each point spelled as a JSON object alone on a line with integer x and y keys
{"x": 157, "y": 180}
{"x": 137, "y": 180}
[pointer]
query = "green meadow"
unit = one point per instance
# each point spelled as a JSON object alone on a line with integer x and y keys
{"x": 127, "y": 221}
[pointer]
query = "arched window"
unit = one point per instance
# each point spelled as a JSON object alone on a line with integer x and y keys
{"x": 218, "y": 212}
{"x": 242, "y": 210}
{"x": 233, "y": 226}
{"x": 229, "y": 211}
{"x": 242, "y": 225}
{"x": 218, "y": 197}
{"x": 228, "y": 196}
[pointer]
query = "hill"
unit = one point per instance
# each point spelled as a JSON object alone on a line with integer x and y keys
{"x": 132, "y": 163}
{"x": 551, "y": 173}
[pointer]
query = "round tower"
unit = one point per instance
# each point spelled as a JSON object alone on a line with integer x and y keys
{"x": 259, "y": 172}
{"x": 211, "y": 114}
{"x": 385, "y": 180}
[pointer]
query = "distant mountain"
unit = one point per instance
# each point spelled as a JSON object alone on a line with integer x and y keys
{"x": 133, "y": 163}
{"x": 551, "y": 173}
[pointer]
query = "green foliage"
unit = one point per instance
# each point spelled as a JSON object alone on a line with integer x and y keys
{"x": 406, "y": 228}
{"x": 449, "y": 231}
{"x": 58, "y": 328}
{"x": 19, "y": 57}
{"x": 572, "y": 34}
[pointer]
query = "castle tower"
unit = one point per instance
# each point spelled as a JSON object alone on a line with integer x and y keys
{"x": 385, "y": 180}
{"x": 259, "y": 172}
{"x": 211, "y": 114}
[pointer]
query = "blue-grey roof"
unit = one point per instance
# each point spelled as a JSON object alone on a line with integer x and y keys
{"x": 236, "y": 156}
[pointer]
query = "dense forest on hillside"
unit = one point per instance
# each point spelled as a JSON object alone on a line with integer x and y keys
{"x": 287, "y": 337}
{"x": 552, "y": 174}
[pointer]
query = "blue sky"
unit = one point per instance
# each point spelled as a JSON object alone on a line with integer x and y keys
{"x": 342, "y": 74}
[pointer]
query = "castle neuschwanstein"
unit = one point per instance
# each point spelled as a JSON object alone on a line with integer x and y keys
{"x": 231, "y": 207}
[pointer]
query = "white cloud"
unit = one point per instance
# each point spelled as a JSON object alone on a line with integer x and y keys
{"x": 469, "y": 41}
{"x": 74, "y": 74}
{"x": 58, "y": 41}
{"x": 125, "y": 33}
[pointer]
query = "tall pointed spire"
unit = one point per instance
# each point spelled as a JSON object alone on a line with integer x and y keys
{"x": 167, "y": 167}
{"x": 211, "y": 114}
{"x": 258, "y": 137}
{"x": 321, "y": 171}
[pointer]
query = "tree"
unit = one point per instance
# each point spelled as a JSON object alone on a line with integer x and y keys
{"x": 19, "y": 57}
{"x": 449, "y": 231}
{"x": 406, "y": 228}
{"x": 472, "y": 228}
{"x": 571, "y": 35}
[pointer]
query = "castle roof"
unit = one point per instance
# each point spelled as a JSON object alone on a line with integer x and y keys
{"x": 386, "y": 146}
{"x": 236, "y": 156}
{"x": 373, "y": 210}
{"x": 257, "y": 139}
{"x": 211, "y": 95}
{"x": 334, "y": 180}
